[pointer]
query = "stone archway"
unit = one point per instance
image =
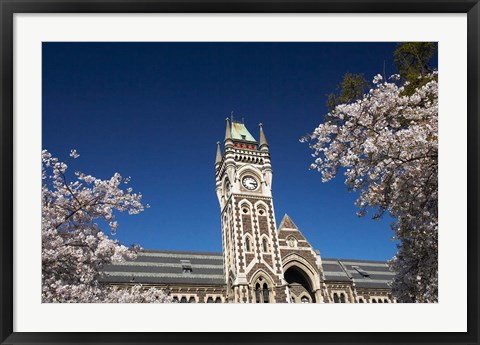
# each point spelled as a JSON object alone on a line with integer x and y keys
{"x": 300, "y": 285}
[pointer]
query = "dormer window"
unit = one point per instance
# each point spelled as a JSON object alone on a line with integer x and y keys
{"x": 361, "y": 271}
{"x": 244, "y": 137}
{"x": 186, "y": 266}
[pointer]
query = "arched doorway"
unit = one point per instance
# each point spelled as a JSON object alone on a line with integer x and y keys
{"x": 300, "y": 285}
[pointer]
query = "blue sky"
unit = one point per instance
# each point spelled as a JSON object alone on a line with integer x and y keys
{"x": 154, "y": 111}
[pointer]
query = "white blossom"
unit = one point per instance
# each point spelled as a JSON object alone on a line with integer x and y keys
{"x": 74, "y": 248}
{"x": 388, "y": 144}
{"x": 74, "y": 153}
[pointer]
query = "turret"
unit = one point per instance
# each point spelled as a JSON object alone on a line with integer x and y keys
{"x": 228, "y": 135}
{"x": 218, "y": 159}
{"x": 263, "y": 140}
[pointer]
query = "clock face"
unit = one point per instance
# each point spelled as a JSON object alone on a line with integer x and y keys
{"x": 250, "y": 183}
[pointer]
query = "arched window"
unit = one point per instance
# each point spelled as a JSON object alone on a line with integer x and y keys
{"x": 360, "y": 300}
{"x": 261, "y": 211}
{"x": 210, "y": 300}
{"x": 265, "y": 245}
{"x": 247, "y": 244}
{"x": 385, "y": 300}
{"x": 305, "y": 299}
{"x": 257, "y": 293}
{"x": 218, "y": 300}
{"x": 266, "y": 297}
{"x": 175, "y": 299}
{"x": 342, "y": 298}
{"x": 183, "y": 300}
{"x": 291, "y": 241}
{"x": 262, "y": 294}
{"x": 374, "y": 300}
{"x": 380, "y": 301}
{"x": 245, "y": 209}
{"x": 335, "y": 298}
{"x": 192, "y": 300}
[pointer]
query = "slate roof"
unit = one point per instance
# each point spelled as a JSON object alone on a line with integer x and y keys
{"x": 167, "y": 267}
{"x": 364, "y": 273}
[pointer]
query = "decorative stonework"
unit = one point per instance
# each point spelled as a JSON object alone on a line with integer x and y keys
{"x": 253, "y": 248}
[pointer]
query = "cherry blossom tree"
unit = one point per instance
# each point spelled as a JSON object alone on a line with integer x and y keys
{"x": 74, "y": 248}
{"x": 386, "y": 145}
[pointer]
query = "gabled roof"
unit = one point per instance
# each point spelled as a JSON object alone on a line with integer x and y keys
{"x": 287, "y": 227}
{"x": 287, "y": 223}
{"x": 240, "y": 132}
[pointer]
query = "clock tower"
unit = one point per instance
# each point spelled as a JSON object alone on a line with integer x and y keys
{"x": 252, "y": 259}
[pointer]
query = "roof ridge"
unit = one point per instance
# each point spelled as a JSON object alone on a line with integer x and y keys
{"x": 174, "y": 251}
{"x": 359, "y": 260}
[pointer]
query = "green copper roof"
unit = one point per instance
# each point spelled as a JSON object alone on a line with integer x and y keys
{"x": 240, "y": 132}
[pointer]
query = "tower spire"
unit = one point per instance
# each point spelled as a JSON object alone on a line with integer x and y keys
{"x": 218, "y": 159}
{"x": 228, "y": 134}
{"x": 263, "y": 140}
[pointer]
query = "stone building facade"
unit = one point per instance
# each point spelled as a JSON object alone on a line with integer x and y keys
{"x": 259, "y": 263}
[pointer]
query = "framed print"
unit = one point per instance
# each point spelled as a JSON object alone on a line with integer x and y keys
{"x": 308, "y": 168}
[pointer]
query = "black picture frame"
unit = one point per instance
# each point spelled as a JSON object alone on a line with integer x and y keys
{"x": 10, "y": 7}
